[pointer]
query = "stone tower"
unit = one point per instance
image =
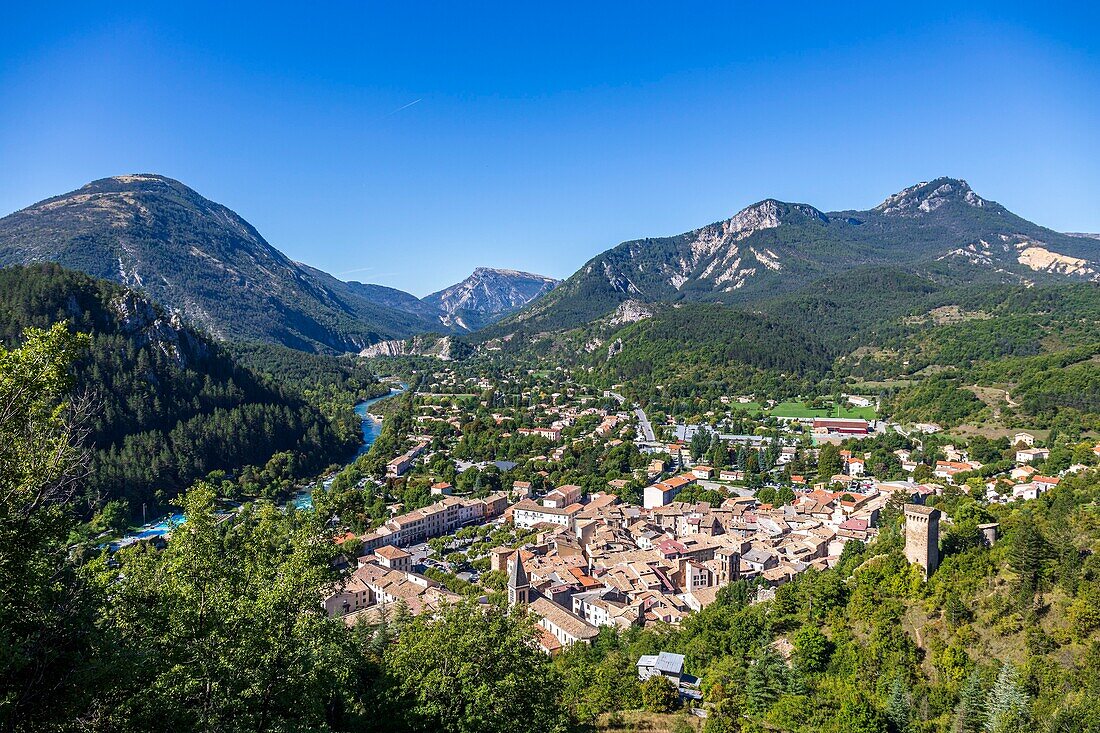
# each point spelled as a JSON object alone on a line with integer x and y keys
{"x": 519, "y": 587}
{"x": 922, "y": 537}
{"x": 729, "y": 565}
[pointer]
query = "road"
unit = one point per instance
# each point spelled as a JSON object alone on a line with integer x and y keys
{"x": 643, "y": 421}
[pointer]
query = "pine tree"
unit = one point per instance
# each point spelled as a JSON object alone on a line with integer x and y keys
{"x": 898, "y": 706}
{"x": 719, "y": 454}
{"x": 828, "y": 461}
{"x": 700, "y": 443}
{"x": 1007, "y": 705}
{"x": 765, "y": 680}
{"x": 1030, "y": 550}
{"x": 956, "y": 611}
{"x": 796, "y": 683}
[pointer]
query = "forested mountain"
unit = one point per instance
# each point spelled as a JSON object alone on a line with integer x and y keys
{"x": 199, "y": 258}
{"x": 170, "y": 405}
{"x": 942, "y": 230}
{"x": 1004, "y": 355}
{"x": 488, "y": 295}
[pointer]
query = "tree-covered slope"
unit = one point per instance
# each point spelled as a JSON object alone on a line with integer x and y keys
{"x": 169, "y": 405}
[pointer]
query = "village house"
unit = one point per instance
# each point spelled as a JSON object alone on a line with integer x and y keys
{"x": 947, "y": 470}
{"x": 1026, "y": 439}
{"x": 668, "y": 665}
{"x": 702, "y": 472}
{"x": 551, "y": 434}
{"x": 527, "y": 514}
{"x": 1032, "y": 455}
{"x": 562, "y": 497}
{"x": 393, "y": 558}
{"x": 663, "y": 492}
{"x": 374, "y": 590}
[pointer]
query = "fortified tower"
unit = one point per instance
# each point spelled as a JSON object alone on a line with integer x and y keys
{"x": 922, "y": 537}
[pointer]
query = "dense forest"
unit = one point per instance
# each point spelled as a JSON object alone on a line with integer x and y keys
{"x": 680, "y": 345}
{"x": 169, "y": 405}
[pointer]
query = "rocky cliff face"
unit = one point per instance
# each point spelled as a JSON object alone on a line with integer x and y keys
{"x": 925, "y": 197}
{"x": 146, "y": 325}
{"x": 441, "y": 347}
{"x": 630, "y": 311}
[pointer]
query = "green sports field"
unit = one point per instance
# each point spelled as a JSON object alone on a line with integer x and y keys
{"x": 797, "y": 409}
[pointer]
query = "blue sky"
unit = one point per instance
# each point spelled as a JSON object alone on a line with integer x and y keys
{"x": 406, "y": 143}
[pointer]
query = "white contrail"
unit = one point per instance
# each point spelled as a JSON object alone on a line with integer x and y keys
{"x": 406, "y": 106}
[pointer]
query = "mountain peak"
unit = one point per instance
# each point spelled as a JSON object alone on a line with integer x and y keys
{"x": 766, "y": 214}
{"x": 198, "y": 258}
{"x": 487, "y": 295}
{"x": 482, "y": 272}
{"x": 152, "y": 182}
{"x": 927, "y": 196}
{"x": 770, "y": 213}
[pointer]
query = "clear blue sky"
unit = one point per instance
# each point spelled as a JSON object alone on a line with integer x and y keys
{"x": 406, "y": 143}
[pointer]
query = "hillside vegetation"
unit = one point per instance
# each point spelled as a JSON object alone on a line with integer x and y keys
{"x": 168, "y": 405}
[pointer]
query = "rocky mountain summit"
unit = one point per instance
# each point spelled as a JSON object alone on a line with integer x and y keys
{"x": 201, "y": 260}
{"x": 925, "y": 197}
{"x": 941, "y": 228}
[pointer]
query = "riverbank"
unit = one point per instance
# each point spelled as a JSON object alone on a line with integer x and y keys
{"x": 371, "y": 427}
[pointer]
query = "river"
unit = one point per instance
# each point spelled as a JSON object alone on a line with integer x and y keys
{"x": 371, "y": 427}
{"x": 369, "y": 424}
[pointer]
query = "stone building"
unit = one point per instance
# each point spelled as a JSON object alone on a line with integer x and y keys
{"x": 922, "y": 537}
{"x": 519, "y": 587}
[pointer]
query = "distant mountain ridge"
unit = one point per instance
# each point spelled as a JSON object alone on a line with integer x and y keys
{"x": 202, "y": 260}
{"x": 941, "y": 228}
{"x": 487, "y": 295}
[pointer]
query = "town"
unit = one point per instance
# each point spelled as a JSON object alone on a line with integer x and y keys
{"x": 657, "y": 536}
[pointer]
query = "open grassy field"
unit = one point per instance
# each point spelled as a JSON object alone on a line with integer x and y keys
{"x": 797, "y": 409}
{"x": 875, "y": 386}
{"x": 638, "y": 720}
{"x": 992, "y": 431}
